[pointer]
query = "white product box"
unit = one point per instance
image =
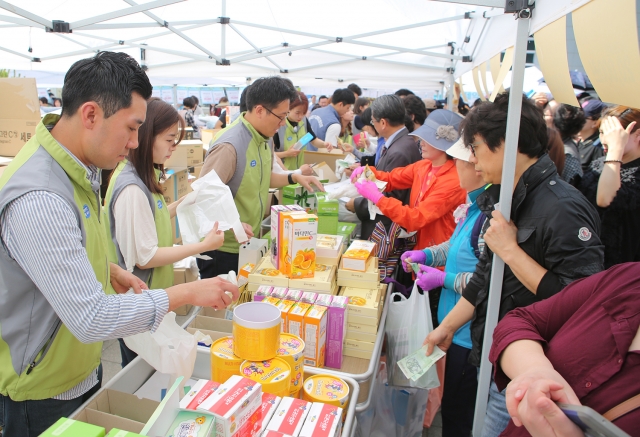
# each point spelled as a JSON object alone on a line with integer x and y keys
{"x": 323, "y": 420}
{"x": 289, "y": 417}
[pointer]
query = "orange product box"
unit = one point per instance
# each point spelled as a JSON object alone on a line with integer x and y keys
{"x": 284, "y": 235}
{"x": 285, "y": 306}
{"x": 356, "y": 256}
{"x": 299, "y": 235}
{"x": 272, "y": 300}
{"x": 295, "y": 321}
{"x": 315, "y": 336}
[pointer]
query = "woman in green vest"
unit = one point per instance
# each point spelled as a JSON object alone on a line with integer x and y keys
{"x": 138, "y": 219}
{"x": 296, "y": 127}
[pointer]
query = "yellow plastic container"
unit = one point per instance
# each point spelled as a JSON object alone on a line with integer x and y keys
{"x": 224, "y": 364}
{"x": 292, "y": 351}
{"x": 256, "y": 331}
{"x": 274, "y": 375}
{"x": 327, "y": 389}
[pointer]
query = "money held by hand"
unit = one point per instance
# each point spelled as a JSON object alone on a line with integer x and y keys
{"x": 415, "y": 365}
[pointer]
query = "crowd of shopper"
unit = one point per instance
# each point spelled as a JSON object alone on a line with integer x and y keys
{"x": 569, "y": 304}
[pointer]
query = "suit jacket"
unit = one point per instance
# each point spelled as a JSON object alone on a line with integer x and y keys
{"x": 402, "y": 151}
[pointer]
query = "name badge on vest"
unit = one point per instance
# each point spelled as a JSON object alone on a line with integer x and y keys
{"x": 289, "y": 138}
{"x": 253, "y": 163}
{"x": 159, "y": 204}
{"x": 87, "y": 211}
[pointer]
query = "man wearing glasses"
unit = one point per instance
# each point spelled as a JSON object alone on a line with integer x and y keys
{"x": 551, "y": 241}
{"x": 242, "y": 156}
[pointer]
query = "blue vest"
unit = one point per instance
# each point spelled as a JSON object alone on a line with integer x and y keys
{"x": 461, "y": 258}
{"x": 320, "y": 120}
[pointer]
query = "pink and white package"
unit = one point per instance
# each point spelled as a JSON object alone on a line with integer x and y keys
{"x": 262, "y": 292}
{"x": 274, "y": 434}
{"x": 270, "y": 403}
{"x": 198, "y": 394}
{"x": 324, "y": 300}
{"x": 233, "y": 404}
{"x": 309, "y": 297}
{"x": 289, "y": 416}
{"x": 323, "y": 420}
{"x": 336, "y": 331}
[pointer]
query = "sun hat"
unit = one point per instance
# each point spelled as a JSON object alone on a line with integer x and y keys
{"x": 459, "y": 150}
{"x": 440, "y": 129}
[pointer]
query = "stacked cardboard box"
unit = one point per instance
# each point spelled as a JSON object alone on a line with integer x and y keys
{"x": 363, "y": 316}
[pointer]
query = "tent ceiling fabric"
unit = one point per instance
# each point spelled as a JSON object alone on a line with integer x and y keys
{"x": 186, "y": 51}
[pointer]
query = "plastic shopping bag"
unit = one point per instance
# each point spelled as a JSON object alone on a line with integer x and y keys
{"x": 211, "y": 201}
{"x": 170, "y": 349}
{"x": 408, "y": 324}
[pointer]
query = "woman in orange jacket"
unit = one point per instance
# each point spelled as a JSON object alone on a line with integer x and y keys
{"x": 435, "y": 188}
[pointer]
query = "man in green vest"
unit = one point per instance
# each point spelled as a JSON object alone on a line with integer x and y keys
{"x": 242, "y": 156}
{"x": 54, "y": 311}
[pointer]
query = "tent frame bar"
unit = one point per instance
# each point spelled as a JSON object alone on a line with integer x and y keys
{"x": 122, "y": 13}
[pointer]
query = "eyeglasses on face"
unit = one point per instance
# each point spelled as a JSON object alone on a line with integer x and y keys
{"x": 275, "y": 115}
{"x": 474, "y": 145}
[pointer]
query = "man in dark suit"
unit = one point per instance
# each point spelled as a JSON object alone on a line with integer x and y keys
{"x": 400, "y": 149}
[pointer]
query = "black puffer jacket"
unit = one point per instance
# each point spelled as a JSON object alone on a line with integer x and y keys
{"x": 557, "y": 227}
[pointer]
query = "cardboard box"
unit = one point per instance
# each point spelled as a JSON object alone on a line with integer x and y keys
{"x": 285, "y": 306}
{"x": 365, "y": 346}
{"x": 363, "y": 301}
{"x": 348, "y": 231}
{"x": 329, "y": 246}
{"x": 357, "y": 327}
{"x": 361, "y": 336}
{"x": 115, "y": 432}
{"x": 295, "y": 320}
{"x": 266, "y": 274}
{"x": 212, "y": 324}
{"x": 72, "y": 428}
{"x": 270, "y": 403}
{"x": 175, "y": 185}
{"x": 327, "y": 212}
{"x": 189, "y": 153}
{"x": 298, "y": 244}
{"x": 322, "y": 156}
{"x": 19, "y": 113}
{"x": 315, "y": 336}
{"x": 114, "y": 409}
{"x": 336, "y": 329}
{"x": 207, "y": 135}
{"x": 195, "y": 170}
{"x": 364, "y": 321}
{"x": 289, "y": 416}
{"x": 191, "y": 423}
{"x": 252, "y": 252}
{"x": 323, "y": 171}
{"x": 323, "y": 420}
{"x": 352, "y": 278}
{"x": 233, "y": 404}
{"x": 356, "y": 353}
{"x": 215, "y": 335}
{"x": 357, "y": 255}
{"x": 198, "y": 394}
{"x": 323, "y": 280}
{"x": 297, "y": 195}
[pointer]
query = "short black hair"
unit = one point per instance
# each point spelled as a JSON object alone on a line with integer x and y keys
{"x": 489, "y": 120}
{"x": 270, "y": 92}
{"x": 195, "y": 100}
{"x": 344, "y": 96}
{"x": 389, "y": 107}
{"x": 403, "y": 92}
{"x": 243, "y": 100}
{"x": 108, "y": 78}
{"x": 188, "y": 102}
{"x": 322, "y": 97}
{"x": 355, "y": 89}
{"x": 44, "y": 100}
{"x": 416, "y": 107}
{"x": 365, "y": 117}
{"x": 569, "y": 120}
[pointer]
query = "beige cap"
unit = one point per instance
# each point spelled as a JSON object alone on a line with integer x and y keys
{"x": 459, "y": 150}
{"x": 430, "y": 103}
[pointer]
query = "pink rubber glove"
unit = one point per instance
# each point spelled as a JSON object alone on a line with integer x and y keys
{"x": 415, "y": 256}
{"x": 356, "y": 174}
{"x": 369, "y": 190}
{"x": 430, "y": 278}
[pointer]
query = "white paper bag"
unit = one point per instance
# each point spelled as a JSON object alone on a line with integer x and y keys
{"x": 170, "y": 350}
{"x": 211, "y": 201}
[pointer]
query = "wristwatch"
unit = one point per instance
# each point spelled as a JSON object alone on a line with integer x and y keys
{"x": 290, "y": 177}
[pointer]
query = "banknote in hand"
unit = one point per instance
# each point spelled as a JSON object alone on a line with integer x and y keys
{"x": 415, "y": 365}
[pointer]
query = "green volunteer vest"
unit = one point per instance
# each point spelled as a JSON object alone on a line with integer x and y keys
{"x": 64, "y": 362}
{"x": 251, "y": 198}
{"x": 161, "y": 277}
{"x": 290, "y": 139}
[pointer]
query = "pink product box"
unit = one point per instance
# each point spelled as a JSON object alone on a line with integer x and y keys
{"x": 323, "y": 420}
{"x": 262, "y": 292}
{"x": 324, "y": 300}
{"x": 279, "y": 292}
{"x": 199, "y": 393}
{"x": 269, "y": 404}
{"x": 336, "y": 329}
{"x": 309, "y": 297}
{"x": 294, "y": 295}
{"x": 289, "y": 416}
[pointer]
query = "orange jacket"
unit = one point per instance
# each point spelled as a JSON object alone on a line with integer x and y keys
{"x": 433, "y": 215}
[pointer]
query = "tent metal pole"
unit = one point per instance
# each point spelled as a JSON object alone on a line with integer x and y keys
{"x": 277, "y": 52}
{"x": 121, "y": 26}
{"x": 20, "y": 21}
{"x": 409, "y": 26}
{"x": 506, "y": 193}
{"x": 236, "y": 30}
{"x": 122, "y": 13}
{"x": 223, "y": 32}
{"x": 293, "y": 32}
{"x": 25, "y": 14}
{"x": 487, "y": 3}
{"x": 402, "y": 49}
{"x": 16, "y": 53}
{"x": 83, "y": 52}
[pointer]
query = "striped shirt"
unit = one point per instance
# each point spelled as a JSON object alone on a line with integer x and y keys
{"x": 40, "y": 232}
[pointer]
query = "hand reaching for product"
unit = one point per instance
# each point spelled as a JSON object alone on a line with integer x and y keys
{"x": 356, "y": 174}
{"x": 213, "y": 292}
{"x": 412, "y": 256}
{"x": 430, "y": 278}
{"x": 369, "y": 190}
